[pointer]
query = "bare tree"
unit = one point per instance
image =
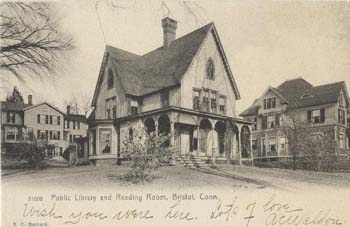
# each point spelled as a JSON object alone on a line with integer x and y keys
{"x": 292, "y": 127}
{"x": 79, "y": 102}
{"x": 314, "y": 145}
{"x": 30, "y": 38}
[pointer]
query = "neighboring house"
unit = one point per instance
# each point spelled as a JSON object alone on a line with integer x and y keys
{"x": 23, "y": 122}
{"x": 320, "y": 109}
{"x": 46, "y": 122}
{"x": 185, "y": 88}
{"x": 75, "y": 126}
{"x": 12, "y": 123}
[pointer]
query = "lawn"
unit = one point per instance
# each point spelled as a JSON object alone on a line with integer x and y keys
{"x": 175, "y": 177}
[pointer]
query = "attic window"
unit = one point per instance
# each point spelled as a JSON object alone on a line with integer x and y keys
{"x": 110, "y": 79}
{"x": 210, "y": 69}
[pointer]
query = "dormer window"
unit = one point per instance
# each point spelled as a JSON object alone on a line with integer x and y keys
{"x": 270, "y": 103}
{"x": 306, "y": 96}
{"x": 210, "y": 69}
{"x": 110, "y": 79}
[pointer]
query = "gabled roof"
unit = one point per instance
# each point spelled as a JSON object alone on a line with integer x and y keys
{"x": 320, "y": 95}
{"x": 44, "y": 103}
{"x": 293, "y": 89}
{"x": 12, "y": 106}
{"x": 75, "y": 117}
{"x": 160, "y": 68}
{"x": 299, "y": 93}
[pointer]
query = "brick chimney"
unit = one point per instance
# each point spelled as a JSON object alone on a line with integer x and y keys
{"x": 169, "y": 30}
{"x": 30, "y": 99}
{"x": 68, "y": 110}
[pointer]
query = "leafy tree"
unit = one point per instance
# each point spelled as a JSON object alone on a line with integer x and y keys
{"x": 16, "y": 96}
{"x": 147, "y": 152}
{"x": 30, "y": 38}
{"x": 33, "y": 152}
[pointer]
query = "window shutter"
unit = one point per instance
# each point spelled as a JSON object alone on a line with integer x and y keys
{"x": 309, "y": 116}
{"x": 277, "y": 120}
{"x": 47, "y": 133}
{"x": 322, "y": 115}
{"x": 50, "y": 119}
{"x": 38, "y": 133}
{"x": 58, "y": 120}
{"x": 264, "y": 122}
{"x": 47, "y": 119}
{"x": 50, "y": 135}
{"x": 129, "y": 107}
{"x": 38, "y": 118}
{"x": 339, "y": 117}
{"x": 8, "y": 117}
{"x": 59, "y": 135}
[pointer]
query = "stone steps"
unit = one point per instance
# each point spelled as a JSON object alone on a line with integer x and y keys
{"x": 192, "y": 162}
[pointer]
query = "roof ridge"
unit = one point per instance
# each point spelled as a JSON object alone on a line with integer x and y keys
{"x": 181, "y": 37}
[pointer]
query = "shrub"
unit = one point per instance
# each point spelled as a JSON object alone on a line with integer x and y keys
{"x": 147, "y": 152}
{"x": 32, "y": 152}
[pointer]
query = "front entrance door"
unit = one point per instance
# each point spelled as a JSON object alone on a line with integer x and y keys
{"x": 186, "y": 138}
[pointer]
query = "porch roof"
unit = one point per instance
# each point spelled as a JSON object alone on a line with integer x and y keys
{"x": 175, "y": 109}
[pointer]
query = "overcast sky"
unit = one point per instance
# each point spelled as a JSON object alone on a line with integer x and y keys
{"x": 265, "y": 42}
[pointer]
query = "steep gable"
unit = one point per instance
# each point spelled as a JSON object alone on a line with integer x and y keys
{"x": 161, "y": 68}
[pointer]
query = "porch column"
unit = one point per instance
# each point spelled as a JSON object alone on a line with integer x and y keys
{"x": 172, "y": 133}
{"x": 156, "y": 127}
{"x": 198, "y": 142}
{"x": 239, "y": 147}
{"x": 251, "y": 145}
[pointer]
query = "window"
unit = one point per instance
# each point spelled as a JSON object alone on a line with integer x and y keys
{"x": 222, "y": 104}
{"x": 254, "y": 144}
{"x": 164, "y": 98}
{"x": 341, "y": 140}
{"x": 254, "y": 126}
{"x": 271, "y": 121}
{"x": 270, "y": 103}
{"x": 205, "y": 100}
{"x": 341, "y": 116}
{"x": 114, "y": 113}
{"x": 105, "y": 136}
{"x": 196, "y": 100}
{"x": 71, "y": 138}
{"x": 134, "y": 107}
{"x": 78, "y": 124}
{"x": 55, "y": 135}
{"x": 11, "y": 117}
{"x": 213, "y": 101}
{"x": 316, "y": 116}
{"x": 54, "y": 120}
{"x": 42, "y": 134}
{"x": 110, "y": 79}
{"x": 210, "y": 69}
{"x": 11, "y": 133}
{"x": 283, "y": 143}
{"x": 272, "y": 147}
{"x": 75, "y": 124}
{"x": 110, "y": 104}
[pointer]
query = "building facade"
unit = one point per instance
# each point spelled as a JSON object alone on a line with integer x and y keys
{"x": 25, "y": 122}
{"x": 184, "y": 88}
{"x": 322, "y": 110}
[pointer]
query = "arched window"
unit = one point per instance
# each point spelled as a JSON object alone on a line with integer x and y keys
{"x": 110, "y": 79}
{"x": 210, "y": 69}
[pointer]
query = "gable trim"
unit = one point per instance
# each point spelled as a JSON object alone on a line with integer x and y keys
{"x": 44, "y": 103}
{"x": 226, "y": 64}
{"x": 99, "y": 79}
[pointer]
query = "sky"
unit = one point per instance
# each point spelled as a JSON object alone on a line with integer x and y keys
{"x": 266, "y": 42}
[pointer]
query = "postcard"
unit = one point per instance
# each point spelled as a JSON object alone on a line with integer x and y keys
{"x": 175, "y": 113}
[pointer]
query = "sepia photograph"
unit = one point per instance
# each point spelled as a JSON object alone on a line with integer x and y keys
{"x": 175, "y": 113}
